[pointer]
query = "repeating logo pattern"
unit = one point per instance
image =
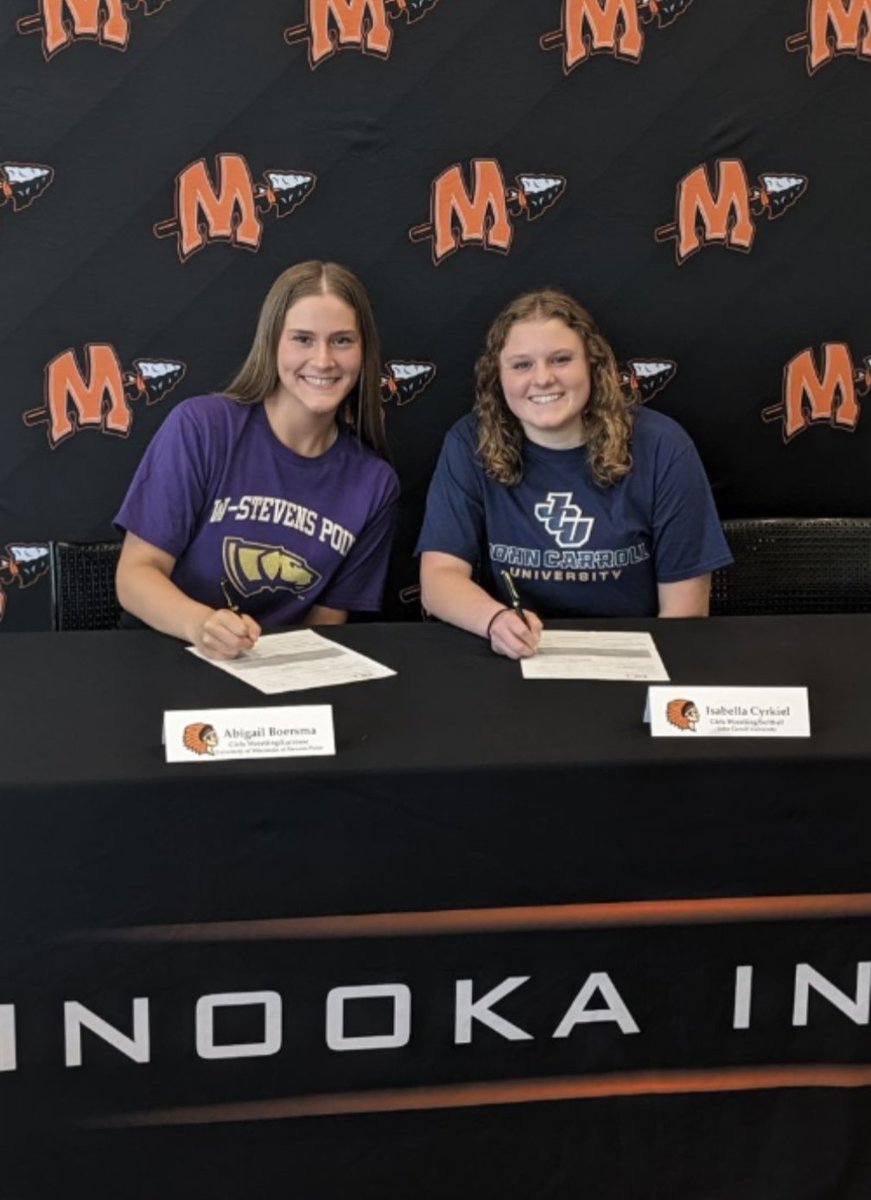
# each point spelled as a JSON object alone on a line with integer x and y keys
{"x": 62, "y": 22}
{"x": 22, "y": 183}
{"x": 724, "y": 213}
{"x": 21, "y": 565}
{"x": 614, "y": 27}
{"x": 834, "y": 27}
{"x": 232, "y": 210}
{"x": 821, "y": 397}
{"x": 100, "y": 397}
{"x": 402, "y": 382}
{"x": 333, "y": 25}
{"x": 482, "y": 215}
{"x": 644, "y": 378}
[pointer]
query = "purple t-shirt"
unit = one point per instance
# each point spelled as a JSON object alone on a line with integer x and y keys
{"x": 219, "y": 492}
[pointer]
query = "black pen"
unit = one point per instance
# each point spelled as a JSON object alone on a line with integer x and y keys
{"x": 228, "y": 601}
{"x": 514, "y": 598}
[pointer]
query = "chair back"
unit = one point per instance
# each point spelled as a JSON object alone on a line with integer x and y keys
{"x": 83, "y": 585}
{"x": 795, "y": 565}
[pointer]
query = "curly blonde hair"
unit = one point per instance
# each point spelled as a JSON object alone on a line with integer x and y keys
{"x": 607, "y": 418}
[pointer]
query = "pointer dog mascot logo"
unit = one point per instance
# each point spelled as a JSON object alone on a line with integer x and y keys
{"x": 21, "y": 564}
{"x": 101, "y": 397}
{"x": 333, "y": 25}
{"x": 724, "y": 215}
{"x": 608, "y": 27}
{"x": 232, "y": 211}
{"x": 826, "y": 397}
{"x": 62, "y": 22}
{"x": 482, "y": 216}
{"x": 834, "y": 27}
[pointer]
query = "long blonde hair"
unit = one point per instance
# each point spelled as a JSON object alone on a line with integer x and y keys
{"x": 607, "y": 417}
{"x": 257, "y": 378}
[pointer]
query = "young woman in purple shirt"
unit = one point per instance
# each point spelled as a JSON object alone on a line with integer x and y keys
{"x": 271, "y": 504}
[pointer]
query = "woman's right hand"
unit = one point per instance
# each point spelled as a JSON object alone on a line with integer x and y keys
{"x": 509, "y": 635}
{"x": 225, "y": 634}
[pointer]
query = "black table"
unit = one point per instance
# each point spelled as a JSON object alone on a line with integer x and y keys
{"x": 492, "y": 948}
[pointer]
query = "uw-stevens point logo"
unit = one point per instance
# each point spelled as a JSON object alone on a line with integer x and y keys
{"x": 200, "y": 738}
{"x": 22, "y": 183}
{"x": 834, "y": 27}
{"x": 402, "y": 381}
{"x": 608, "y": 27}
{"x": 705, "y": 217}
{"x": 232, "y": 211}
{"x": 643, "y": 378}
{"x": 22, "y": 564}
{"x": 827, "y": 397}
{"x": 101, "y": 397}
{"x": 564, "y": 520}
{"x": 682, "y": 713}
{"x": 252, "y": 567}
{"x": 62, "y": 22}
{"x": 333, "y": 25}
{"x": 459, "y": 217}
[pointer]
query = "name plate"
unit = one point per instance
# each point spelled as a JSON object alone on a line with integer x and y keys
{"x": 687, "y": 712}
{"x": 213, "y": 735}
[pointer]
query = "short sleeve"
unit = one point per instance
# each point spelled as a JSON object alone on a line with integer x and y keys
{"x": 455, "y": 518}
{"x": 687, "y": 537}
{"x": 358, "y": 584}
{"x": 167, "y": 495}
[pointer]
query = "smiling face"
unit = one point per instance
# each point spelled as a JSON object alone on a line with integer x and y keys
{"x": 545, "y": 379}
{"x": 320, "y": 353}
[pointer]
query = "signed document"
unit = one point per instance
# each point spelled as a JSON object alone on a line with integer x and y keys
{"x": 300, "y": 659}
{"x": 579, "y": 654}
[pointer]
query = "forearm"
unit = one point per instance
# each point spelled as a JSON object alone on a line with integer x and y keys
{"x": 460, "y": 601}
{"x": 147, "y": 593}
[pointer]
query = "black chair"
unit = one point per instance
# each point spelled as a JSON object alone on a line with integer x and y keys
{"x": 795, "y": 565}
{"x": 83, "y": 585}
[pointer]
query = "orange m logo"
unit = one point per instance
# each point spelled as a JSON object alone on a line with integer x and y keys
{"x": 596, "y": 26}
{"x": 482, "y": 216}
{"x": 113, "y": 29}
{"x": 810, "y": 397}
{"x": 725, "y": 216}
{"x": 98, "y": 399}
{"x": 357, "y": 23}
{"x": 228, "y": 213}
{"x": 846, "y": 20}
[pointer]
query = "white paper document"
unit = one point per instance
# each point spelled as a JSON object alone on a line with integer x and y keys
{"x": 291, "y": 662}
{"x": 594, "y": 654}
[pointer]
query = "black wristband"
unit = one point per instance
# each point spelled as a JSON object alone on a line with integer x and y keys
{"x": 496, "y": 614}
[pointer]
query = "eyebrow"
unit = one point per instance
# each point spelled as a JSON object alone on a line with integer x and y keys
{"x": 311, "y": 332}
{"x": 530, "y": 354}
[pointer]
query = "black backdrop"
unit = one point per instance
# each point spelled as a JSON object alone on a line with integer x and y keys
{"x": 106, "y": 105}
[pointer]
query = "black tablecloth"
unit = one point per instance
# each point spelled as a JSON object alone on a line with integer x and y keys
{"x": 474, "y": 832}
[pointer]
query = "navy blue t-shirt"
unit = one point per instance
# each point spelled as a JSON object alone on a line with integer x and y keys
{"x": 576, "y": 548}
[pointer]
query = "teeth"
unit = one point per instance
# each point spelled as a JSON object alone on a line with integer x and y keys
{"x": 544, "y": 399}
{"x": 319, "y": 381}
